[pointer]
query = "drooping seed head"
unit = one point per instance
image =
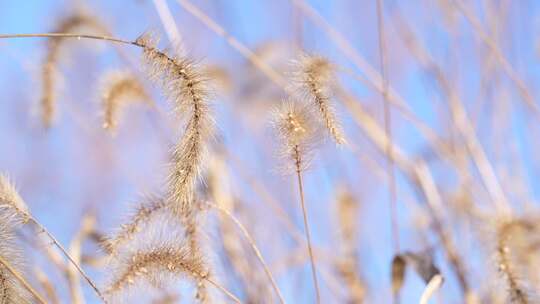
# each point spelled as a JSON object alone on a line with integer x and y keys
{"x": 55, "y": 46}
{"x": 180, "y": 79}
{"x": 119, "y": 88}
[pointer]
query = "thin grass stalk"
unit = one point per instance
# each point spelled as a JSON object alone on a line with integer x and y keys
{"x": 68, "y": 35}
{"x": 22, "y": 280}
{"x": 47, "y": 286}
{"x": 251, "y": 242}
{"x": 68, "y": 256}
{"x": 306, "y": 225}
{"x": 225, "y": 291}
{"x": 505, "y": 64}
{"x": 419, "y": 174}
{"x": 167, "y": 20}
{"x": 459, "y": 115}
{"x": 388, "y": 130}
{"x": 234, "y": 43}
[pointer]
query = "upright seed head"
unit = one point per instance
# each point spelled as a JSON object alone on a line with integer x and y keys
{"x": 313, "y": 77}
{"x": 297, "y": 131}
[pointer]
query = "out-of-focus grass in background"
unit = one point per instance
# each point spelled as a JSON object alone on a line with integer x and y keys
{"x": 75, "y": 167}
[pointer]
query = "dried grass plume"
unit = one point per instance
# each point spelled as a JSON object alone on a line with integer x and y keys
{"x": 314, "y": 76}
{"x": 119, "y": 88}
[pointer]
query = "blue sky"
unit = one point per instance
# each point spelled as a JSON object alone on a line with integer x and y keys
{"x": 75, "y": 167}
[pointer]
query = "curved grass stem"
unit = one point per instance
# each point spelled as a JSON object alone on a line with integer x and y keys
{"x": 68, "y": 256}
{"x": 251, "y": 242}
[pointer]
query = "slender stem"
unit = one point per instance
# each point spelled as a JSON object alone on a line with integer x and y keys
{"x": 167, "y": 20}
{"x": 224, "y": 290}
{"x": 59, "y": 246}
{"x": 69, "y": 35}
{"x": 388, "y": 127}
{"x": 21, "y": 280}
{"x": 298, "y": 162}
{"x": 235, "y": 43}
{"x": 388, "y": 130}
{"x": 251, "y": 242}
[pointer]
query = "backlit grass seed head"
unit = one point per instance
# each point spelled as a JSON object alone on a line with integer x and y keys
{"x": 136, "y": 223}
{"x": 347, "y": 207}
{"x": 298, "y": 132}
{"x": 314, "y": 76}
{"x": 157, "y": 257}
{"x": 10, "y": 200}
{"x": 188, "y": 91}
{"x": 118, "y": 88}
{"x": 515, "y": 251}
{"x": 55, "y": 47}
{"x": 155, "y": 267}
{"x": 11, "y": 290}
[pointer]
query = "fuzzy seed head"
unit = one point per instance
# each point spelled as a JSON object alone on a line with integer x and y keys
{"x": 516, "y": 256}
{"x": 11, "y": 290}
{"x": 313, "y": 77}
{"x": 297, "y": 130}
{"x": 156, "y": 257}
{"x": 187, "y": 90}
{"x": 49, "y": 71}
{"x": 136, "y": 223}
{"x": 118, "y": 89}
{"x": 10, "y": 200}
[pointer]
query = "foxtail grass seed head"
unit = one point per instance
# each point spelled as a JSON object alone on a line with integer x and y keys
{"x": 10, "y": 200}
{"x": 347, "y": 207}
{"x": 156, "y": 257}
{"x": 187, "y": 90}
{"x": 314, "y": 76}
{"x": 514, "y": 250}
{"x": 154, "y": 267}
{"x": 55, "y": 47}
{"x": 119, "y": 88}
{"x": 11, "y": 289}
{"x": 298, "y": 132}
{"x": 136, "y": 223}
